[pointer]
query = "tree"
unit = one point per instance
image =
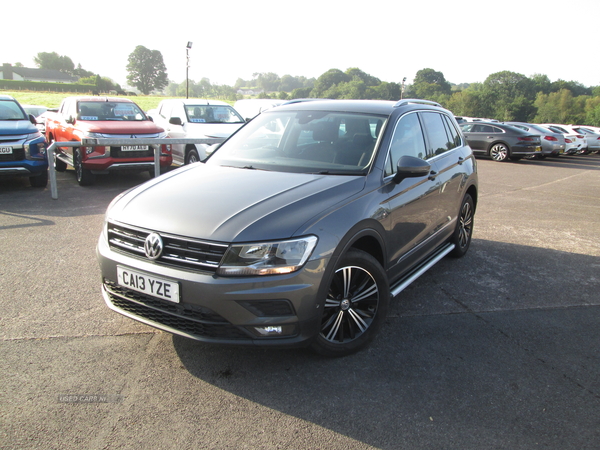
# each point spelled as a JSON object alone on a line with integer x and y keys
{"x": 511, "y": 94}
{"x": 329, "y": 79}
{"x": 147, "y": 70}
{"x": 54, "y": 61}
{"x": 269, "y": 82}
{"x": 429, "y": 84}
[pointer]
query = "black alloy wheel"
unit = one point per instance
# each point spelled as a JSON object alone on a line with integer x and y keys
{"x": 355, "y": 307}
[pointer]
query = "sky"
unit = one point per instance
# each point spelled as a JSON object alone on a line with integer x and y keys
{"x": 466, "y": 40}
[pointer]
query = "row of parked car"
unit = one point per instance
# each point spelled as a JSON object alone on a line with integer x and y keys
{"x": 27, "y": 130}
{"x": 516, "y": 140}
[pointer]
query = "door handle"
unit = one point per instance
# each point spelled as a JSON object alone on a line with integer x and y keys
{"x": 461, "y": 160}
{"x": 432, "y": 175}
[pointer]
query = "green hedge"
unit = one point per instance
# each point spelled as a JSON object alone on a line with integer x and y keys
{"x": 17, "y": 85}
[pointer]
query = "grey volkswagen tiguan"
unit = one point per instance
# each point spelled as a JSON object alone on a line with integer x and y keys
{"x": 298, "y": 230}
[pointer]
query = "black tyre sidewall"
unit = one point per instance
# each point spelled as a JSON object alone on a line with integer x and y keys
{"x": 459, "y": 251}
{"x": 189, "y": 156}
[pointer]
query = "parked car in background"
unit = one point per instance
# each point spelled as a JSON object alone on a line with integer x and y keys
{"x": 578, "y": 141}
{"x": 592, "y": 137}
{"x": 195, "y": 118}
{"x": 38, "y": 112}
{"x": 553, "y": 143}
{"x": 103, "y": 117}
{"x": 463, "y": 119}
{"x": 22, "y": 145}
{"x": 501, "y": 141}
{"x": 296, "y": 237}
{"x": 251, "y": 107}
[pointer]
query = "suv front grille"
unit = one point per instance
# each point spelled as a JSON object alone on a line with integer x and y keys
{"x": 18, "y": 154}
{"x": 185, "y": 253}
{"x": 195, "y": 320}
{"x": 116, "y": 152}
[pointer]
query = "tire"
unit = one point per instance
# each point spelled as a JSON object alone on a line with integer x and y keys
{"x": 84, "y": 176}
{"x": 356, "y": 305}
{"x": 39, "y": 181}
{"x": 499, "y": 152}
{"x": 59, "y": 166}
{"x": 192, "y": 156}
{"x": 464, "y": 228}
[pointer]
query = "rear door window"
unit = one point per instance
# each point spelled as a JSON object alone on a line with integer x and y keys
{"x": 439, "y": 138}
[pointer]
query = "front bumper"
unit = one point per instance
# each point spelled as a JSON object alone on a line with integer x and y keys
{"x": 282, "y": 310}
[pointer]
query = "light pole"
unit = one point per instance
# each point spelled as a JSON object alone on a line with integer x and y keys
{"x": 402, "y": 89}
{"x": 187, "y": 68}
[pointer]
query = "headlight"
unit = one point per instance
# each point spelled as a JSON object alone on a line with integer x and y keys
{"x": 267, "y": 258}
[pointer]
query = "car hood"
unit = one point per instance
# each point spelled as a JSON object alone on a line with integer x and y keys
{"x": 119, "y": 127}
{"x": 11, "y": 127}
{"x": 218, "y": 130}
{"x": 233, "y": 205}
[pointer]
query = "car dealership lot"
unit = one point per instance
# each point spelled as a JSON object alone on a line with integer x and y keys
{"x": 495, "y": 350}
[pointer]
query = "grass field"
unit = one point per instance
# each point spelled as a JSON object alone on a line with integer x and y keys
{"x": 53, "y": 99}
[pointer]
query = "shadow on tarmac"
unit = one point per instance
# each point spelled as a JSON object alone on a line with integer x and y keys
{"x": 469, "y": 357}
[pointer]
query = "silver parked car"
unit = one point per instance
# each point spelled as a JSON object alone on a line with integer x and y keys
{"x": 553, "y": 143}
{"x": 195, "y": 118}
{"x": 592, "y": 138}
{"x": 575, "y": 142}
{"x": 298, "y": 230}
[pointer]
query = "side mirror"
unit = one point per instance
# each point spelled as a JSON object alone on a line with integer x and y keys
{"x": 70, "y": 120}
{"x": 175, "y": 121}
{"x": 32, "y": 119}
{"x": 411, "y": 167}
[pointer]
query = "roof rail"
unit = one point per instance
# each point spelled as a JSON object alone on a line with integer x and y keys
{"x": 302, "y": 100}
{"x": 407, "y": 101}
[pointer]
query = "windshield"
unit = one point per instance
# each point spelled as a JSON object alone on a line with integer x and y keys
{"x": 109, "y": 111}
{"x": 9, "y": 110}
{"x": 212, "y": 114}
{"x": 305, "y": 142}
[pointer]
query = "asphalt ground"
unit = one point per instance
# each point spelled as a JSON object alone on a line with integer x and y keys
{"x": 497, "y": 350}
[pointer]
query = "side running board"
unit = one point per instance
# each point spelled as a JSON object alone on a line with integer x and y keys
{"x": 405, "y": 281}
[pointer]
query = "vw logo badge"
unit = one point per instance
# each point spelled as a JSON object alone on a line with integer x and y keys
{"x": 153, "y": 246}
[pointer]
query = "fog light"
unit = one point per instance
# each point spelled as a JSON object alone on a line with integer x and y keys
{"x": 266, "y": 331}
{"x": 274, "y": 330}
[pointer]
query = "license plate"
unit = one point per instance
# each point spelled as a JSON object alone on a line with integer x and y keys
{"x": 538, "y": 149}
{"x": 134, "y": 148}
{"x": 6, "y": 151}
{"x": 148, "y": 284}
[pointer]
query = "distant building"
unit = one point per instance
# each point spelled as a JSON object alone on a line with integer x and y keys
{"x": 8, "y": 72}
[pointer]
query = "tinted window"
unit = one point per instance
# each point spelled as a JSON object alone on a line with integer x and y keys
{"x": 438, "y": 140}
{"x": 406, "y": 140}
{"x": 482, "y": 128}
{"x": 452, "y": 132}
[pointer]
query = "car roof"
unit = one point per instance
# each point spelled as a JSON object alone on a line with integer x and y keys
{"x": 383, "y": 107}
{"x": 103, "y": 99}
{"x": 196, "y": 101}
{"x": 7, "y": 97}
